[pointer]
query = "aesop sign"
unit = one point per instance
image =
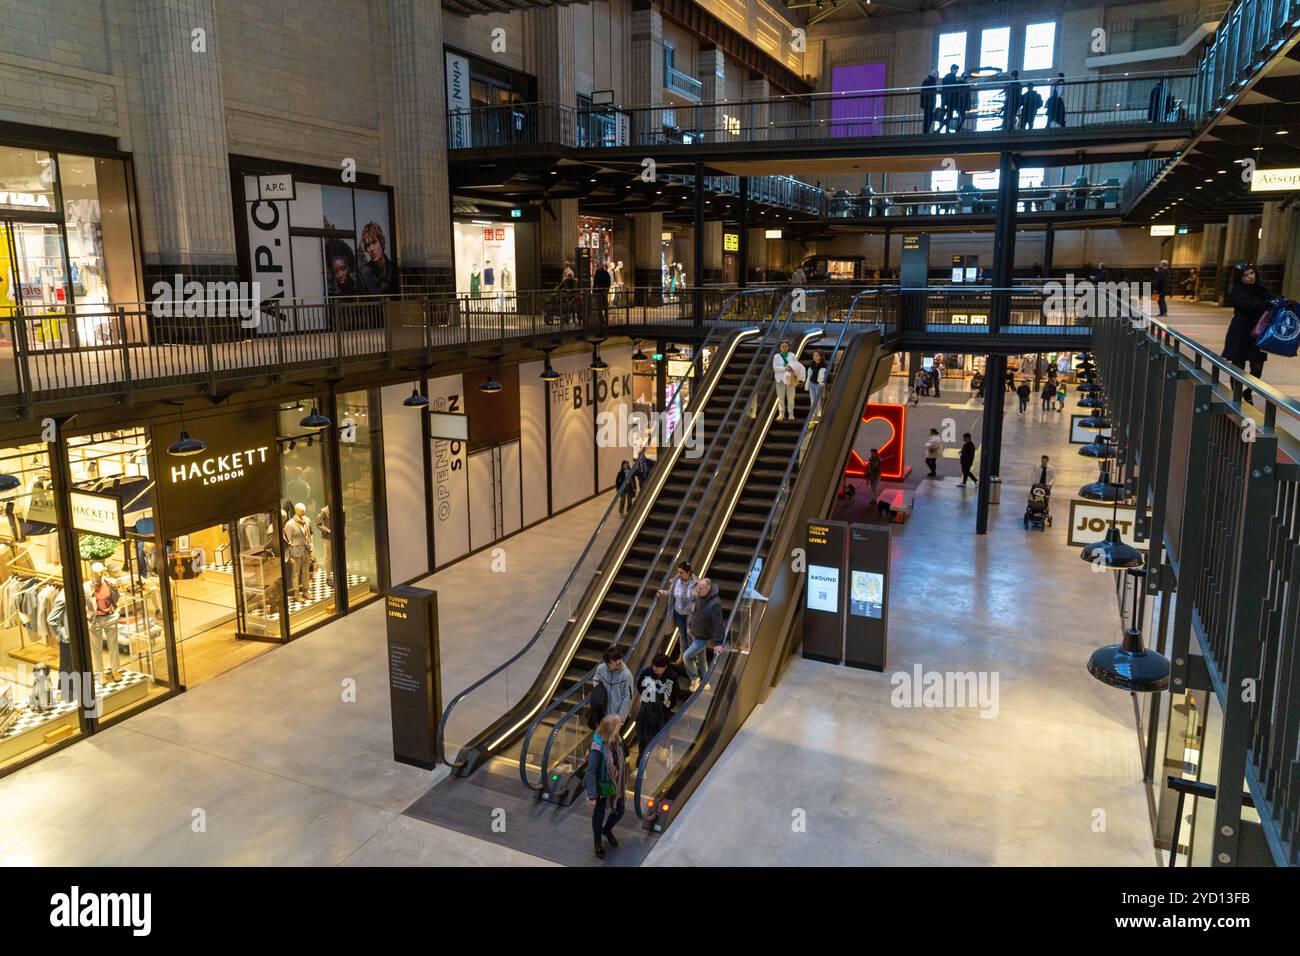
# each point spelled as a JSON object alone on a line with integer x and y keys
{"x": 237, "y": 474}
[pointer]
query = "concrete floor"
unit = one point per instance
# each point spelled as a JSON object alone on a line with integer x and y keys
{"x": 286, "y": 773}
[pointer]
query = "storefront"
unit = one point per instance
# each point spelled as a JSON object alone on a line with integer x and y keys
{"x": 595, "y": 245}
{"x": 185, "y": 561}
{"x": 303, "y": 234}
{"x": 672, "y": 269}
{"x": 486, "y": 264}
{"x": 67, "y": 239}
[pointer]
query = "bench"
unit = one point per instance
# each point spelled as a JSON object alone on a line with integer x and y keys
{"x": 899, "y": 504}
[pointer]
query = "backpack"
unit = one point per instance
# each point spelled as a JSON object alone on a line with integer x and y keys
{"x": 596, "y": 709}
{"x": 1281, "y": 336}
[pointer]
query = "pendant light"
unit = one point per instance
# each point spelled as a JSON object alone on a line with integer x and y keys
{"x": 314, "y": 420}
{"x": 1128, "y": 665}
{"x": 1096, "y": 422}
{"x": 185, "y": 446}
{"x": 1099, "y": 448}
{"x": 598, "y": 364}
{"x": 1085, "y": 387}
{"x": 1092, "y": 400}
{"x": 1103, "y": 489}
{"x": 1112, "y": 552}
{"x": 548, "y": 373}
{"x": 490, "y": 385}
{"x": 9, "y": 482}
{"x": 672, "y": 350}
{"x": 638, "y": 355}
{"x": 416, "y": 400}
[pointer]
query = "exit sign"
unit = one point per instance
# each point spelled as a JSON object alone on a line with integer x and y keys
{"x": 516, "y": 214}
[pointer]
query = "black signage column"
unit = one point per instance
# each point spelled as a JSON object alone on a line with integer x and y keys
{"x": 867, "y": 624}
{"x": 913, "y": 278}
{"x": 414, "y": 674}
{"x": 823, "y": 616}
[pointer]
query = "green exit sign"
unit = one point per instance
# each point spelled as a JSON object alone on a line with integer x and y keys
{"x": 516, "y": 214}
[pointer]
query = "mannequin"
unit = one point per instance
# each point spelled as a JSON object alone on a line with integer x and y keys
{"x": 102, "y": 615}
{"x": 489, "y": 277}
{"x": 617, "y": 288}
{"x": 473, "y": 281}
{"x": 507, "y": 278}
{"x": 298, "y": 548}
{"x": 58, "y": 622}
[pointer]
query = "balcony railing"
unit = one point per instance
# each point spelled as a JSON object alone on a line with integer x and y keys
{"x": 976, "y": 109}
{"x": 968, "y": 200}
{"x": 683, "y": 84}
{"x": 1250, "y": 34}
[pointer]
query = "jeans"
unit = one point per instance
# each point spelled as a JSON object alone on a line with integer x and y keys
{"x": 1160, "y": 298}
{"x": 625, "y": 499}
{"x": 875, "y": 486}
{"x": 966, "y": 472}
{"x": 680, "y": 620}
{"x": 601, "y": 825}
{"x": 696, "y": 648}
{"x": 1047, "y": 402}
{"x": 815, "y": 396}
{"x": 930, "y": 463}
{"x": 1024, "y": 403}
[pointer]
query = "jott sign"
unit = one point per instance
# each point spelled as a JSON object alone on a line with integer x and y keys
{"x": 1090, "y": 520}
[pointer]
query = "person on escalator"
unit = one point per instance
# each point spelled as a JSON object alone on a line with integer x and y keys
{"x": 656, "y": 684}
{"x": 606, "y": 781}
{"x": 682, "y": 592}
{"x": 705, "y": 629}
{"x": 789, "y": 373}
{"x": 612, "y": 674}
{"x": 625, "y": 487}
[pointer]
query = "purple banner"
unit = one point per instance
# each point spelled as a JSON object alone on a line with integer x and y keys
{"x": 853, "y": 115}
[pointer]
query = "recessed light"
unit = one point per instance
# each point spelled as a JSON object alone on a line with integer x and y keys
{"x": 1282, "y": 132}
{"x": 1209, "y": 180}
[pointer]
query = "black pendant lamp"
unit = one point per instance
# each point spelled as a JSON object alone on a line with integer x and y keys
{"x": 185, "y": 446}
{"x": 416, "y": 400}
{"x": 1092, "y": 400}
{"x": 1096, "y": 422}
{"x": 9, "y": 482}
{"x": 1112, "y": 552}
{"x": 1103, "y": 489}
{"x": 490, "y": 385}
{"x": 1085, "y": 387}
{"x": 314, "y": 420}
{"x": 638, "y": 355}
{"x": 1098, "y": 448}
{"x": 1128, "y": 665}
{"x": 549, "y": 374}
{"x": 598, "y": 364}
{"x": 672, "y": 350}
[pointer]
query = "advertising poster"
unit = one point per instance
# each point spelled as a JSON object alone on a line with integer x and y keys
{"x": 867, "y": 594}
{"x": 450, "y": 505}
{"x": 823, "y": 588}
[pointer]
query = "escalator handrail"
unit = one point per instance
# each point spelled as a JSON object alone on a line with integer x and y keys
{"x": 777, "y": 503}
{"x": 546, "y": 620}
{"x": 545, "y": 775}
{"x": 755, "y": 367}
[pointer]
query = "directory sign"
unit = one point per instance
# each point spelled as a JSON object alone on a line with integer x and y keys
{"x": 824, "y": 601}
{"x": 414, "y": 674}
{"x": 866, "y": 627}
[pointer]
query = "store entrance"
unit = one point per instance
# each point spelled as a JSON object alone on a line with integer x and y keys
{"x": 227, "y": 595}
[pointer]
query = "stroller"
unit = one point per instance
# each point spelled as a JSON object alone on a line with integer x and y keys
{"x": 1038, "y": 512}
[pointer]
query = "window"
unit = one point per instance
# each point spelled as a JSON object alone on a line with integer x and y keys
{"x": 1031, "y": 178}
{"x": 944, "y": 180}
{"x": 985, "y": 180}
{"x": 995, "y": 48}
{"x": 952, "y": 49}
{"x": 1040, "y": 46}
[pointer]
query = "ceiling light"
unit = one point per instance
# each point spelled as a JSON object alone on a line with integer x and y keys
{"x": 490, "y": 385}
{"x": 185, "y": 446}
{"x": 416, "y": 400}
{"x": 315, "y": 420}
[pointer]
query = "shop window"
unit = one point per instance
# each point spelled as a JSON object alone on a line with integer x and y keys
{"x": 357, "y": 433}
{"x": 119, "y": 567}
{"x": 944, "y": 180}
{"x": 98, "y": 218}
{"x": 304, "y": 518}
{"x": 486, "y": 268}
{"x": 39, "y": 691}
{"x": 995, "y": 48}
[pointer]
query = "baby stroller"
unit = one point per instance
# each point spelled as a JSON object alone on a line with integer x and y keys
{"x": 1038, "y": 510}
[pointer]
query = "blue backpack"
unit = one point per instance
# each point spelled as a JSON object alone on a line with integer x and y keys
{"x": 1282, "y": 334}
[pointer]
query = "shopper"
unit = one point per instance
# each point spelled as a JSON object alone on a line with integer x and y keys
{"x": 605, "y": 781}
{"x": 964, "y": 96}
{"x": 625, "y": 487}
{"x": 656, "y": 684}
{"x": 977, "y": 385}
{"x": 817, "y": 371}
{"x": 928, "y": 87}
{"x": 1056, "y": 103}
{"x": 1049, "y": 393}
{"x": 1249, "y": 300}
{"x": 1044, "y": 473}
{"x": 601, "y": 281}
{"x": 1011, "y": 99}
{"x": 1023, "y": 392}
{"x": 789, "y": 373}
{"x": 948, "y": 101}
{"x": 1030, "y": 103}
{"x": 298, "y": 546}
{"x": 705, "y": 629}
{"x": 967, "y": 459}
{"x": 641, "y": 468}
{"x": 921, "y": 383}
{"x": 1060, "y": 397}
{"x": 798, "y": 278}
{"x": 933, "y": 449}
{"x": 1161, "y": 285}
{"x": 874, "y": 467}
{"x": 936, "y": 372}
{"x": 682, "y": 593}
{"x": 616, "y": 680}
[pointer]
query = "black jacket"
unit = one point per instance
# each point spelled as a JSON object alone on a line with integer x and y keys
{"x": 626, "y": 480}
{"x": 967, "y": 453}
{"x": 1023, "y": 390}
{"x": 601, "y": 279}
{"x": 1160, "y": 282}
{"x": 928, "y": 89}
{"x": 1248, "y": 303}
{"x": 706, "y": 620}
{"x": 656, "y": 694}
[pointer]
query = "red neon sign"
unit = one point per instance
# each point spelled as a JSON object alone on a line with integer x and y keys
{"x": 891, "y": 455}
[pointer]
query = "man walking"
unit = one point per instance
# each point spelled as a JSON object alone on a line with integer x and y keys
{"x": 1160, "y": 285}
{"x": 873, "y": 473}
{"x": 1044, "y": 473}
{"x": 967, "y": 459}
{"x": 1023, "y": 393}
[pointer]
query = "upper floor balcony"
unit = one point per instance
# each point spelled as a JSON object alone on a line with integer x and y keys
{"x": 683, "y": 84}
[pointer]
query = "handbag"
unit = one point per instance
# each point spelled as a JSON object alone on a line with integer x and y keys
{"x": 1282, "y": 336}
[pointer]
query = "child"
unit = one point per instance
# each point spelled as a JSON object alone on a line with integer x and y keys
{"x": 1060, "y": 397}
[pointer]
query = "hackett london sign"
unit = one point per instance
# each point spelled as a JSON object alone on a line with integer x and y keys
{"x": 237, "y": 474}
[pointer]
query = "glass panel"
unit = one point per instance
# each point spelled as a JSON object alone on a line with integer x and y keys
{"x": 38, "y": 687}
{"x": 952, "y": 49}
{"x": 995, "y": 48}
{"x": 120, "y": 575}
{"x": 304, "y": 490}
{"x": 28, "y": 177}
{"x": 943, "y": 180}
{"x": 356, "y": 472}
{"x": 42, "y": 286}
{"x": 98, "y": 218}
{"x": 1040, "y": 46}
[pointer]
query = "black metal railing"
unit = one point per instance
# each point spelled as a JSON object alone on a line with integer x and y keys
{"x": 1208, "y": 454}
{"x": 1249, "y": 35}
{"x": 1078, "y": 196}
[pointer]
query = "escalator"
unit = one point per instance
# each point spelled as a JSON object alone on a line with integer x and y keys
{"x": 749, "y": 471}
{"x": 760, "y": 587}
{"x": 607, "y": 594}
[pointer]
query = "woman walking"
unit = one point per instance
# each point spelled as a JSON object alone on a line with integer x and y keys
{"x": 605, "y": 781}
{"x": 1249, "y": 300}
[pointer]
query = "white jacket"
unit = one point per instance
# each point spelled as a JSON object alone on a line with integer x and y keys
{"x": 1038, "y": 472}
{"x": 820, "y": 379}
{"x": 933, "y": 446}
{"x": 780, "y": 364}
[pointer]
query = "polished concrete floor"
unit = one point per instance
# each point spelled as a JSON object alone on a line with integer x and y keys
{"x": 269, "y": 764}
